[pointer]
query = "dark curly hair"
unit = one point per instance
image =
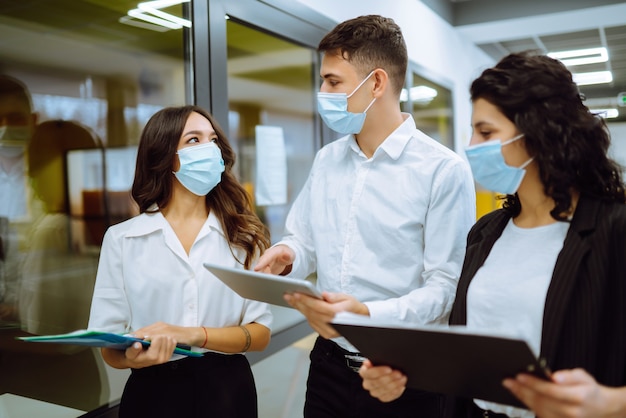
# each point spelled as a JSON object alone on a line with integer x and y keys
{"x": 569, "y": 143}
{"x": 370, "y": 42}
{"x": 228, "y": 200}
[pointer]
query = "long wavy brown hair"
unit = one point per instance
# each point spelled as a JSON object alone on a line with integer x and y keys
{"x": 228, "y": 200}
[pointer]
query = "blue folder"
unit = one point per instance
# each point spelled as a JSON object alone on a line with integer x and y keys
{"x": 102, "y": 339}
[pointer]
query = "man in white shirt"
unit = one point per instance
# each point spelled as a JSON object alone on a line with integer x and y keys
{"x": 382, "y": 219}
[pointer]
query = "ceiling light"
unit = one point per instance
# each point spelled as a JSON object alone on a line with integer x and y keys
{"x": 596, "y": 77}
{"x": 606, "y": 113}
{"x": 138, "y": 14}
{"x": 154, "y": 6}
{"x": 149, "y": 11}
{"x": 581, "y": 56}
{"x": 419, "y": 94}
{"x": 128, "y": 20}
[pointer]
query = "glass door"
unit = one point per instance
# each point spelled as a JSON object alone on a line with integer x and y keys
{"x": 271, "y": 99}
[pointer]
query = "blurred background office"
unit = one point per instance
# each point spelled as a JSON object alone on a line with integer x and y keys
{"x": 80, "y": 78}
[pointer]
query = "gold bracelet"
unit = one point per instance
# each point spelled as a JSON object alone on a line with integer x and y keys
{"x": 206, "y": 337}
{"x": 248, "y": 338}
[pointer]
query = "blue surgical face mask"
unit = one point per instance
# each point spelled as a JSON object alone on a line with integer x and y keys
{"x": 491, "y": 171}
{"x": 333, "y": 108}
{"x": 201, "y": 168}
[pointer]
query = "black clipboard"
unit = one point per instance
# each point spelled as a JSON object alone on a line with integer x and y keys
{"x": 451, "y": 361}
{"x": 268, "y": 288}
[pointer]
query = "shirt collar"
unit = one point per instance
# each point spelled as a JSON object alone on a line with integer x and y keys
{"x": 395, "y": 143}
{"x": 150, "y": 222}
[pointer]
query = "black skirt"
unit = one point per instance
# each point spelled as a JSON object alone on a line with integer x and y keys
{"x": 214, "y": 385}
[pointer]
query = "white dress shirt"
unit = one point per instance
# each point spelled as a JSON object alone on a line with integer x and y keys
{"x": 389, "y": 230}
{"x": 145, "y": 276}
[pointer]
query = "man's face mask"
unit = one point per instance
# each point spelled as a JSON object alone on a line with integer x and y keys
{"x": 13, "y": 140}
{"x": 333, "y": 108}
{"x": 491, "y": 171}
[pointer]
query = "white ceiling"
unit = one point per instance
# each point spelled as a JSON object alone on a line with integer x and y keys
{"x": 503, "y": 26}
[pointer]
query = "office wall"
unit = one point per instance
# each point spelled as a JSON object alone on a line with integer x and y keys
{"x": 432, "y": 43}
{"x": 618, "y": 143}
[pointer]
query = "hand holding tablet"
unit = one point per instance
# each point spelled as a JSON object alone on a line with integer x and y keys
{"x": 263, "y": 287}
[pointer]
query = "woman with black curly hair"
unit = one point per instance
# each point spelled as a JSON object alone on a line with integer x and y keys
{"x": 550, "y": 266}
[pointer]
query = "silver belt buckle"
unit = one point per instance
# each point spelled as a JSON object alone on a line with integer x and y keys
{"x": 354, "y": 361}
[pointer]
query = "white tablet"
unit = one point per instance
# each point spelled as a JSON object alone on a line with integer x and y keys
{"x": 263, "y": 287}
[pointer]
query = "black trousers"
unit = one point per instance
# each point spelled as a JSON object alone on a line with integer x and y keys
{"x": 215, "y": 385}
{"x": 335, "y": 390}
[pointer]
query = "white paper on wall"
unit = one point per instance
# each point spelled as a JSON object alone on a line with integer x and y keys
{"x": 271, "y": 166}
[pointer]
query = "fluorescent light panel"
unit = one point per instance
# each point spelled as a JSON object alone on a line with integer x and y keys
{"x": 128, "y": 20}
{"x": 153, "y": 7}
{"x": 596, "y": 77}
{"x": 606, "y": 113}
{"x": 581, "y": 56}
{"x": 149, "y": 11}
{"x": 419, "y": 94}
{"x": 138, "y": 14}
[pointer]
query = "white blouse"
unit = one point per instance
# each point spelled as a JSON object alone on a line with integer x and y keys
{"x": 144, "y": 276}
{"x": 508, "y": 293}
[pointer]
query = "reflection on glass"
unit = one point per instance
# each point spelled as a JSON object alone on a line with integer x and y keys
{"x": 270, "y": 82}
{"x": 78, "y": 81}
{"x": 431, "y": 106}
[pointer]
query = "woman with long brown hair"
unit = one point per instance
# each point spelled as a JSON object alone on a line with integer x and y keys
{"x": 151, "y": 281}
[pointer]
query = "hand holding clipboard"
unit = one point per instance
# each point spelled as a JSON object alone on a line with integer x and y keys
{"x": 453, "y": 361}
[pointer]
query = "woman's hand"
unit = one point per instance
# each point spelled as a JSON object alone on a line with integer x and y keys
{"x": 571, "y": 393}
{"x": 180, "y": 334}
{"x": 382, "y": 382}
{"x": 163, "y": 339}
{"x": 137, "y": 356}
{"x": 158, "y": 352}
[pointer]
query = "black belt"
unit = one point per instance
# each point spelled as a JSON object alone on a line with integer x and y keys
{"x": 352, "y": 360}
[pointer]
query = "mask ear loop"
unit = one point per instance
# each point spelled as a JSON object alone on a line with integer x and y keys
{"x": 369, "y": 105}
{"x": 515, "y": 138}
{"x": 530, "y": 160}
{"x": 360, "y": 84}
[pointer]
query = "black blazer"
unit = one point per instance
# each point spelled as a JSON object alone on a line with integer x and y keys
{"x": 584, "y": 322}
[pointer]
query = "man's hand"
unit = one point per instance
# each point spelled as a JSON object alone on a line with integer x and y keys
{"x": 320, "y": 312}
{"x": 276, "y": 260}
{"x": 571, "y": 393}
{"x": 382, "y": 382}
